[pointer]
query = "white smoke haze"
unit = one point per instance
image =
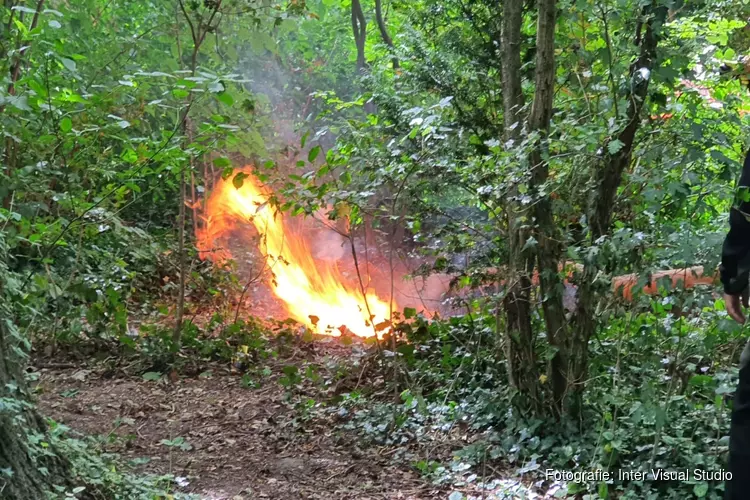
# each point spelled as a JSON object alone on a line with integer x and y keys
{"x": 277, "y": 97}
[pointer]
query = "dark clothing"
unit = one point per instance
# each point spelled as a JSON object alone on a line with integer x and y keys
{"x": 735, "y": 264}
{"x": 739, "y": 436}
{"x": 735, "y": 255}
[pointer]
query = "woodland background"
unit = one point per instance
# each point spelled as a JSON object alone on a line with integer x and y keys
{"x": 530, "y": 150}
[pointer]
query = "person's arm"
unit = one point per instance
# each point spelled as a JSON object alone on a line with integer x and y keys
{"x": 735, "y": 255}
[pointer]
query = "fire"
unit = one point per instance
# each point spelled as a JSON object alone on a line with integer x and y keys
{"x": 313, "y": 292}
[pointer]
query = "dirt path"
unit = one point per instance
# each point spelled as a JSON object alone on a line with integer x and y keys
{"x": 243, "y": 443}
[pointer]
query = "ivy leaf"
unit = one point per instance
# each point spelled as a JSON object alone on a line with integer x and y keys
{"x": 530, "y": 243}
{"x": 614, "y": 146}
{"x": 700, "y": 489}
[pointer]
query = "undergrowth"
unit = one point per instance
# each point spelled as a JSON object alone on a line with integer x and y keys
{"x": 657, "y": 397}
{"x": 96, "y": 474}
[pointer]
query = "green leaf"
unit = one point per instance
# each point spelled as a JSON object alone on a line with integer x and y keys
{"x": 614, "y": 146}
{"x": 314, "y": 152}
{"x": 239, "y": 180}
{"x": 129, "y": 156}
{"x": 530, "y": 243}
{"x": 37, "y": 87}
{"x": 409, "y": 312}
{"x": 222, "y": 162}
{"x": 54, "y": 24}
{"x": 225, "y": 97}
{"x": 152, "y": 376}
{"x": 21, "y": 27}
{"x": 66, "y": 124}
{"x": 216, "y": 87}
{"x": 69, "y": 64}
{"x": 700, "y": 489}
{"x": 26, "y": 10}
{"x": 603, "y": 490}
{"x": 180, "y": 93}
{"x": 19, "y": 102}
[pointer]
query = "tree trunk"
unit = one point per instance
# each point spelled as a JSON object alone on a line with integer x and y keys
{"x": 384, "y": 29}
{"x": 608, "y": 180}
{"x": 177, "y": 332}
{"x": 549, "y": 246}
{"x": 510, "y": 45}
{"x": 519, "y": 340}
{"x": 359, "y": 28}
{"x": 24, "y": 472}
{"x": 9, "y": 155}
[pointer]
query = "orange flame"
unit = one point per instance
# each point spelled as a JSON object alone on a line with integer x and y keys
{"x": 313, "y": 292}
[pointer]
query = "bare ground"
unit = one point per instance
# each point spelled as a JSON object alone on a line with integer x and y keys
{"x": 244, "y": 443}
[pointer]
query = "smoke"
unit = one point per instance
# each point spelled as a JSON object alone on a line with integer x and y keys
{"x": 284, "y": 109}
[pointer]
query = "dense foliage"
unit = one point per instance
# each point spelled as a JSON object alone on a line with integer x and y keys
{"x": 616, "y": 154}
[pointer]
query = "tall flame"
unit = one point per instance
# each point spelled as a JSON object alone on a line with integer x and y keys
{"x": 313, "y": 292}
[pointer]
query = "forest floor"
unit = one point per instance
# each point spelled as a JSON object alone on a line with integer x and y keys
{"x": 222, "y": 440}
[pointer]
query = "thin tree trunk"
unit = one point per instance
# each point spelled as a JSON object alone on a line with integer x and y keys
{"x": 359, "y": 28}
{"x": 384, "y": 30}
{"x": 519, "y": 340}
{"x": 608, "y": 179}
{"x": 177, "y": 333}
{"x": 15, "y": 70}
{"x": 510, "y": 45}
{"x": 193, "y": 202}
{"x": 549, "y": 246}
{"x": 9, "y": 155}
{"x": 198, "y": 33}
